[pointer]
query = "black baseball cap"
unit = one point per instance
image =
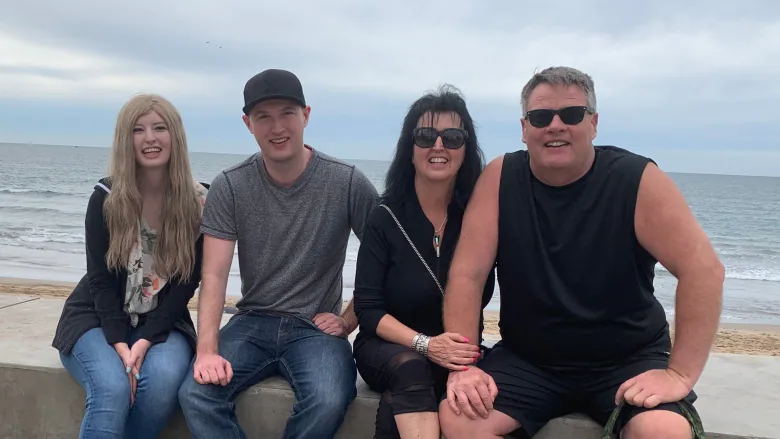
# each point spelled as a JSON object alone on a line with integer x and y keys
{"x": 272, "y": 84}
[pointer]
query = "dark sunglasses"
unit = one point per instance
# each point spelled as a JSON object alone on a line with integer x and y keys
{"x": 569, "y": 115}
{"x": 451, "y": 138}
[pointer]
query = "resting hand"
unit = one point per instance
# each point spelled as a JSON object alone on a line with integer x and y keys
{"x": 331, "y": 324}
{"x": 137, "y": 355}
{"x": 471, "y": 390}
{"x": 452, "y": 351}
{"x": 652, "y": 388}
{"x": 212, "y": 369}
{"x": 125, "y": 355}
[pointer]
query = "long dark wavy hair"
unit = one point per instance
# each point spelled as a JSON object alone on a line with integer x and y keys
{"x": 400, "y": 175}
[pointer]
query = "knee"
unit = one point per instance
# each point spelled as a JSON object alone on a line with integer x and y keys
{"x": 190, "y": 391}
{"x": 658, "y": 424}
{"x": 337, "y": 388}
{"x": 161, "y": 389}
{"x": 411, "y": 372}
{"x": 334, "y": 399}
{"x": 454, "y": 426}
{"x": 331, "y": 398}
{"x": 167, "y": 377}
{"x": 109, "y": 391}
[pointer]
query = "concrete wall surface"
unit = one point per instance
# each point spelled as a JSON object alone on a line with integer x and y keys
{"x": 739, "y": 395}
{"x": 47, "y": 403}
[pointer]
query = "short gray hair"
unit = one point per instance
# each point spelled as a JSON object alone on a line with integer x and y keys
{"x": 561, "y": 76}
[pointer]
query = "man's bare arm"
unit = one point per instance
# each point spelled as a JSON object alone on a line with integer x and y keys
{"x": 349, "y": 316}
{"x": 667, "y": 228}
{"x": 217, "y": 259}
{"x": 474, "y": 255}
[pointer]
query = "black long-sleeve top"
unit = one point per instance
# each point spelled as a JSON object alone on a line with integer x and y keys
{"x": 98, "y": 299}
{"x": 391, "y": 279}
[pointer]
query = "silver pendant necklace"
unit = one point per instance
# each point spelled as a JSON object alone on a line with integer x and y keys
{"x": 437, "y": 236}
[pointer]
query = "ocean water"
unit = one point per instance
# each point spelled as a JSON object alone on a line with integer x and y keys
{"x": 44, "y": 192}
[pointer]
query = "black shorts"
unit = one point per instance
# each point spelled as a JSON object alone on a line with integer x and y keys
{"x": 534, "y": 395}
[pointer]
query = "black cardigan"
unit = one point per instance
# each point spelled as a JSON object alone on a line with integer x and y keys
{"x": 391, "y": 279}
{"x": 98, "y": 299}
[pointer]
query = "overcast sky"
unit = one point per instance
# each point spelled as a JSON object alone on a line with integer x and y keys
{"x": 693, "y": 84}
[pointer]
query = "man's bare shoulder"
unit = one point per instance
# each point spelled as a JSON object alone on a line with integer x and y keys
{"x": 495, "y": 165}
{"x": 491, "y": 176}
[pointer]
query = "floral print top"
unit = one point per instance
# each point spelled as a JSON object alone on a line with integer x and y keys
{"x": 143, "y": 283}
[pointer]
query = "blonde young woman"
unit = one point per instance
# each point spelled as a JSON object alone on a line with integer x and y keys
{"x": 125, "y": 333}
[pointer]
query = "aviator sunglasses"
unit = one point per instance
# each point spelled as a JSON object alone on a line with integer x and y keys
{"x": 569, "y": 115}
{"x": 451, "y": 138}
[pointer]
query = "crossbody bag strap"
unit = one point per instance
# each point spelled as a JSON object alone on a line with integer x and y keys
{"x": 414, "y": 248}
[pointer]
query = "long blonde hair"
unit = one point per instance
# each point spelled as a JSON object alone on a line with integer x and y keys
{"x": 174, "y": 252}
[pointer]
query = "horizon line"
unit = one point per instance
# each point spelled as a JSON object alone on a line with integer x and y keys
{"x": 344, "y": 158}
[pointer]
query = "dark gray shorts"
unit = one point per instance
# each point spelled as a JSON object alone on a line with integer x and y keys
{"x": 534, "y": 395}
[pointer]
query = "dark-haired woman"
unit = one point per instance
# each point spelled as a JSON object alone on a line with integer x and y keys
{"x": 401, "y": 349}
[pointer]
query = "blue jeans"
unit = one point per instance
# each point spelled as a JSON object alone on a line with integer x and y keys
{"x": 97, "y": 367}
{"x": 318, "y": 366}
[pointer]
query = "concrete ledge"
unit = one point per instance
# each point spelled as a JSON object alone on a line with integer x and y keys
{"x": 46, "y": 402}
{"x": 49, "y": 403}
{"x": 739, "y": 394}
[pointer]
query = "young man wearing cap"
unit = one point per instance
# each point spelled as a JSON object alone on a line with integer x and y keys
{"x": 290, "y": 208}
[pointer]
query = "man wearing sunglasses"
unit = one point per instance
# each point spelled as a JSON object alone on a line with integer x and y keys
{"x": 576, "y": 231}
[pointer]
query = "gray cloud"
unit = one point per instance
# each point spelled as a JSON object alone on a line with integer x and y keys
{"x": 643, "y": 56}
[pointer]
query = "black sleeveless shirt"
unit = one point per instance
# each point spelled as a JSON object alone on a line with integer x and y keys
{"x": 576, "y": 286}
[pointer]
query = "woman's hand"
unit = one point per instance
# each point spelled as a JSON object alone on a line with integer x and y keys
{"x": 137, "y": 355}
{"x": 125, "y": 355}
{"x": 452, "y": 351}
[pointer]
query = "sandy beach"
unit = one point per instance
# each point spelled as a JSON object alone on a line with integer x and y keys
{"x": 732, "y": 338}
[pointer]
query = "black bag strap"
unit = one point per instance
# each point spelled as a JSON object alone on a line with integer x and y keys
{"x": 414, "y": 248}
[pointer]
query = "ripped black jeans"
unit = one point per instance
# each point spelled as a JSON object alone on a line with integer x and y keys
{"x": 408, "y": 382}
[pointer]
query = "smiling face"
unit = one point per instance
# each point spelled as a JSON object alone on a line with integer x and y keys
{"x": 277, "y": 125}
{"x": 151, "y": 141}
{"x": 559, "y": 145}
{"x": 437, "y": 163}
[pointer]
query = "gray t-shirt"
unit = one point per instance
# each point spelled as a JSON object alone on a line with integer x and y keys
{"x": 291, "y": 240}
